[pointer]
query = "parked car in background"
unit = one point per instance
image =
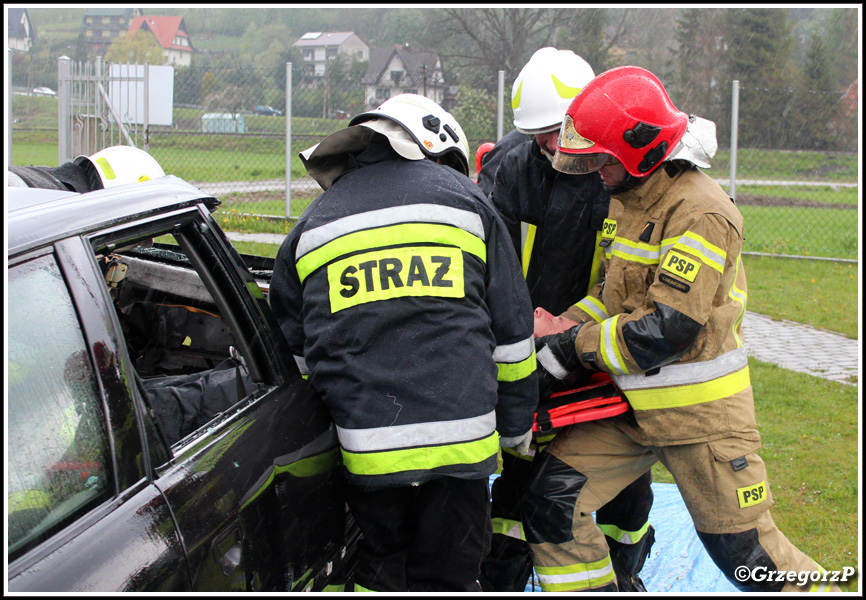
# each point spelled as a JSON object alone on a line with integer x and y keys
{"x": 44, "y": 91}
{"x": 156, "y": 439}
{"x": 267, "y": 111}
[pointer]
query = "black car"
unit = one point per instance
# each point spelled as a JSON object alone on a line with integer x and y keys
{"x": 156, "y": 440}
{"x": 267, "y": 111}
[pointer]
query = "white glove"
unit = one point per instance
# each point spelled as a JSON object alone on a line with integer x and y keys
{"x": 519, "y": 443}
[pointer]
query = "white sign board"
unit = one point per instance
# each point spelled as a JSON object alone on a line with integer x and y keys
{"x": 126, "y": 93}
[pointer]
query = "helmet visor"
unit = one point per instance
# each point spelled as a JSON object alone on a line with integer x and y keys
{"x": 579, "y": 164}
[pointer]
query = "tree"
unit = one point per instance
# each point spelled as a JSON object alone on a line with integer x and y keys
{"x": 816, "y": 104}
{"x": 140, "y": 49}
{"x": 697, "y": 86}
{"x": 759, "y": 51}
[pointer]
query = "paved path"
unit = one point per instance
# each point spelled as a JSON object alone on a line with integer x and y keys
{"x": 784, "y": 343}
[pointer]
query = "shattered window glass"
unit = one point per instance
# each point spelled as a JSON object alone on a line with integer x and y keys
{"x": 55, "y": 420}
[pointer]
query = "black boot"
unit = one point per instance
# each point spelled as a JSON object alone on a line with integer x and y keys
{"x": 628, "y": 560}
{"x": 508, "y": 566}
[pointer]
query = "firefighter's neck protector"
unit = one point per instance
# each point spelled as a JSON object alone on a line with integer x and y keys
{"x": 327, "y": 160}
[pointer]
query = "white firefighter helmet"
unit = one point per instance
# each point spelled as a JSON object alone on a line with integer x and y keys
{"x": 433, "y": 131}
{"x": 120, "y": 165}
{"x": 545, "y": 87}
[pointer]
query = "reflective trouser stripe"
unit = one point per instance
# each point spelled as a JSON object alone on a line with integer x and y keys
{"x": 508, "y": 527}
{"x": 421, "y": 459}
{"x": 581, "y": 576}
{"x": 622, "y": 536}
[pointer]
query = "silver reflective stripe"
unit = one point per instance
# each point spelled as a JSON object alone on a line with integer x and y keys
{"x": 412, "y": 213}
{"x": 551, "y": 365}
{"x": 576, "y": 577}
{"x": 706, "y": 253}
{"x": 514, "y": 353}
{"x": 302, "y": 365}
{"x": 417, "y": 434}
{"x": 673, "y": 375}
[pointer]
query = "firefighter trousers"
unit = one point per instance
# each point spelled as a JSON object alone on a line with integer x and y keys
{"x": 429, "y": 537}
{"x": 723, "y": 484}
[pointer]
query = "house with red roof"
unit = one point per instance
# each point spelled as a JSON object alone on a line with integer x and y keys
{"x": 170, "y": 34}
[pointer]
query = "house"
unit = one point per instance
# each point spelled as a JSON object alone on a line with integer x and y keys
{"x": 104, "y": 23}
{"x": 401, "y": 70}
{"x": 318, "y": 48}
{"x": 20, "y": 31}
{"x": 170, "y": 33}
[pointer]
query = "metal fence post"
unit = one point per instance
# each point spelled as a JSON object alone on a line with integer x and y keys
{"x": 735, "y": 117}
{"x": 499, "y": 105}
{"x": 9, "y": 118}
{"x": 288, "y": 114}
{"x": 64, "y": 110}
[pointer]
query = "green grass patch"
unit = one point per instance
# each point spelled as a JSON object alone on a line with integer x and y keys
{"x": 824, "y": 294}
{"x": 801, "y": 231}
{"x": 810, "y": 439}
{"x": 823, "y": 194}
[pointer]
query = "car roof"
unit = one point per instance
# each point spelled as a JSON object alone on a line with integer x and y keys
{"x": 36, "y": 217}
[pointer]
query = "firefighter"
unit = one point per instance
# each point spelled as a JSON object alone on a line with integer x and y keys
{"x": 399, "y": 294}
{"x": 489, "y": 160}
{"x": 666, "y": 323}
{"x": 110, "y": 167}
{"x": 563, "y": 214}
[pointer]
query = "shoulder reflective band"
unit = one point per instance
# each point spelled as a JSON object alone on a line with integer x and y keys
{"x": 515, "y": 361}
{"x": 687, "y": 384}
{"x": 639, "y": 252}
{"x": 409, "y": 233}
{"x": 709, "y": 254}
{"x": 577, "y": 577}
{"x": 594, "y": 308}
{"x": 396, "y": 273}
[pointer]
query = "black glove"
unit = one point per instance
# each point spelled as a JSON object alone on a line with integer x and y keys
{"x": 557, "y": 361}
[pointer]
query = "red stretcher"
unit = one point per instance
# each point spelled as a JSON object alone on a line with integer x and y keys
{"x": 598, "y": 399}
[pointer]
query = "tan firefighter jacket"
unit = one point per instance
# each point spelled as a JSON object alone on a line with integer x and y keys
{"x": 666, "y": 318}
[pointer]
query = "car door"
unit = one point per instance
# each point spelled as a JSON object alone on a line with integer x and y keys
{"x": 256, "y": 491}
{"x": 82, "y": 515}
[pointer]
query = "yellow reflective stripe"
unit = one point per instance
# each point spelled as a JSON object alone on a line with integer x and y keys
{"x": 406, "y": 233}
{"x": 334, "y": 587}
{"x": 595, "y": 271}
{"x": 639, "y": 252}
{"x": 527, "y": 247}
{"x": 621, "y": 535}
{"x": 737, "y": 295}
{"x": 609, "y": 348}
{"x": 508, "y": 527}
{"x": 516, "y": 371}
{"x": 687, "y": 395}
{"x": 361, "y": 588}
{"x": 421, "y": 459}
{"x": 107, "y": 171}
{"x": 696, "y": 245}
{"x": 576, "y": 577}
{"x": 594, "y": 308}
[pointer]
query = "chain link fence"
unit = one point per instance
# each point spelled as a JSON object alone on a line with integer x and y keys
{"x": 229, "y": 135}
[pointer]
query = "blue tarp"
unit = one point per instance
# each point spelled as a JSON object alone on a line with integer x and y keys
{"x": 678, "y": 562}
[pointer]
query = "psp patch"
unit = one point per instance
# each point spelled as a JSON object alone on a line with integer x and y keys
{"x": 681, "y": 266}
{"x": 395, "y": 273}
{"x": 752, "y": 494}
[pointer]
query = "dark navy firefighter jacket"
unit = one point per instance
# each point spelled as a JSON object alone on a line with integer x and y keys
{"x": 401, "y": 298}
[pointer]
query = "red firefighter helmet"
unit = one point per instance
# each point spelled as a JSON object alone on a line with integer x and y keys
{"x": 479, "y": 154}
{"x": 623, "y": 113}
